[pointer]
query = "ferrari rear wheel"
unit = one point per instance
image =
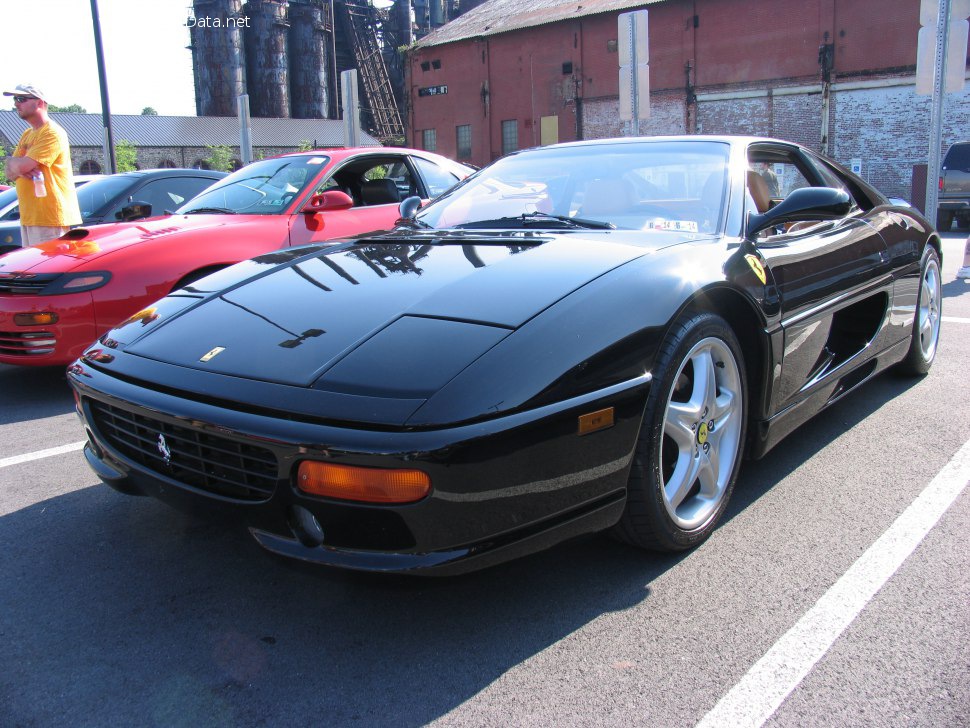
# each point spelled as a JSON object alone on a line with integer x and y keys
{"x": 926, "y": 326}
{"x": 689, "y": 449}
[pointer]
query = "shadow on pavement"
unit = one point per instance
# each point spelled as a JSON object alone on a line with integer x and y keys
{"x": 30, "y": 393}
{"x": 118, "y": 611}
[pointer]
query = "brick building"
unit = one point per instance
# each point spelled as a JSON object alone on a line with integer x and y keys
{"x": 835, "y": 75}
{"x": 179, "y": 141}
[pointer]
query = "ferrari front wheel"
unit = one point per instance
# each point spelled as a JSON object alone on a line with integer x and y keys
{"x": 689, "y": 448}
{"x": 926, "y": 323}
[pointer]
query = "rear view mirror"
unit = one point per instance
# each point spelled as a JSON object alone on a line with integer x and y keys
{"x": 807, "y": 203}
{"x": 328, "y": 201}
{"x": 409, "y": 208}
{"x": 134, "y": 211}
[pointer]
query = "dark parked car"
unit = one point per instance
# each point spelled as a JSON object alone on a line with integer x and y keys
{"x": 954, "y": 199}
{"x": 581, "y": 337}
{"x": 10, "y": 212}
{"x": 126, "y": 196}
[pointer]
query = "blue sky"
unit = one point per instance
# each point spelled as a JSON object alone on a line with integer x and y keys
{"x": 51, "y": 43}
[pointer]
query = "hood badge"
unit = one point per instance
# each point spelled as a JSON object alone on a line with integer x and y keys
{"x": 164, "y": 450}
{"x": 212, "y": 354}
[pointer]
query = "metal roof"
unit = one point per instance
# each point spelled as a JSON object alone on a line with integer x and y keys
{"x": 86, "y": 130}
{"x": 501, "y": 16}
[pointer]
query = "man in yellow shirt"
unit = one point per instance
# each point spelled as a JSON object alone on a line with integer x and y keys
{"x": 41, "y": 169}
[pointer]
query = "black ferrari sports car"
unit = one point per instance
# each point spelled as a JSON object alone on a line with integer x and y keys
{"x": 579, "y": 337}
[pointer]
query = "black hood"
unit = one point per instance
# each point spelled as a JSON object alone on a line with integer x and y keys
{"x": 432, "y": 307}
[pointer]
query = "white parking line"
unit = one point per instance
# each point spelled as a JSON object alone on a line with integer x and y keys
{"x": 955, "y": 320}
{"x": 766, "y": 685}
{"x": 40, "y": 454}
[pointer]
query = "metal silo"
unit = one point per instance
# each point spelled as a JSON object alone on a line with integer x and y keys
{"x": 217, "y": 56}
{"x": 267, "y": 71}
{"x": 310, "y": 59}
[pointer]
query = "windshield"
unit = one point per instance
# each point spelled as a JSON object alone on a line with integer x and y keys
{"x": 8, "y": 198}
{"x": 93, "y": 197}
{"x": 663, "y": 185}
{"x": 266, "y": 187}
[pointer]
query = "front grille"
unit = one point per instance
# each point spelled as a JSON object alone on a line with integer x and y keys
{"x": 29, "y": 343}
{"x": 26, "y": 284}
{"x": 198, "y": 459}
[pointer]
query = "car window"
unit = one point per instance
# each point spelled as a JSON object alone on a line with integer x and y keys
{"x": 656, "y": 186}
{"x": 958, "y": 157}
{"x": 266, "y": 187}
{"x": 166, "y": 193}
{"x": 8, "y": 198}
{"x": 373, "y": 181}
{"x": 94, "y": 197}
{"x": 436, "y": 180}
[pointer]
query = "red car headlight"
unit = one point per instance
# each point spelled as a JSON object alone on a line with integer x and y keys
{"x": 76, "y": 283}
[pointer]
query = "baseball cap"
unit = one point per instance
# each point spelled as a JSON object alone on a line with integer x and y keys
{"x": 26, "y": 89}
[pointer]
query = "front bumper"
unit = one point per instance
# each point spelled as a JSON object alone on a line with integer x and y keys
{"x": 49, "y": 344}
{"x": 501, "y": 488}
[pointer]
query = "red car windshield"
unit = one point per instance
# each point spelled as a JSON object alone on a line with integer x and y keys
{"x": 266, "y": 187}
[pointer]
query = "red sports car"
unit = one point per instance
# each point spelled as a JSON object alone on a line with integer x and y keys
{"x": 58, "y": 297}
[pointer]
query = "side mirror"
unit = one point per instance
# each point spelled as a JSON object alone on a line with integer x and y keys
{"x": 134, "y": 211}
{"x": 330, "y": 200}
{"x": 807, "y": 203}
{"x": 408, "y": 209}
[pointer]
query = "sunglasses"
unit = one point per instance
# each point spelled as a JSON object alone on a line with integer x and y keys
{"x": 21, "y": 99}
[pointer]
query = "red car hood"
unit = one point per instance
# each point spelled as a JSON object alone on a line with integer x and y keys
{"x": 87, "y": 244}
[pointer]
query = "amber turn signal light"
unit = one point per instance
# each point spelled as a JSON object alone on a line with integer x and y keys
{"x": 368, "y": 485}
{"x": 35, "y": 319}
{"x": 594, "y": 421}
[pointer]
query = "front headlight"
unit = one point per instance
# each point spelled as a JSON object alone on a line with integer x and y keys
{"x": 76, "y": 283}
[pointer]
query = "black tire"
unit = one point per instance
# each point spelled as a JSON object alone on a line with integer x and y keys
{"x": 677, "y": 446}
{"x": 944, "y": 221}
{"x": 926, "y": 323}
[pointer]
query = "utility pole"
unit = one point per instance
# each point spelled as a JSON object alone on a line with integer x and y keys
{"x": 109, "y": 143}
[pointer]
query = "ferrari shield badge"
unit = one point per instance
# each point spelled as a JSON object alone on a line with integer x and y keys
{"x": 215, "y": 352}
{"x": 757, "y": 267}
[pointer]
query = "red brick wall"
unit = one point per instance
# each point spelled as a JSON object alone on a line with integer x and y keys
{"x": 762, "y": 46}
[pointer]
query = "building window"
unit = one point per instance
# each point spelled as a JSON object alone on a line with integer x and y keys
{"x": 89, "y": 166}
{"x": 463, "y": 135}
{"x": 510, "y": 136}
{"x": 429, "y": 140}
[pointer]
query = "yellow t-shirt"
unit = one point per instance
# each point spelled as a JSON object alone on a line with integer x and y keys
{"x": 48, "y": 146}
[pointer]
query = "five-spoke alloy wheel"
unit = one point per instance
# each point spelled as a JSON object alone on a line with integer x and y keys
{"x": 689, "y": 449}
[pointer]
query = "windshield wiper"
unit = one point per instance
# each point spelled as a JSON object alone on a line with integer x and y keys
{"x": 538, "y": 218}
{"x": 210, "y": 210}
{"x": 577, "y": 221}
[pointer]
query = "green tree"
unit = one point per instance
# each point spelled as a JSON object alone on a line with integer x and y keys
{"x": 126, "y": 156}
{"x": 220, "y": 157}
{"x": 72, "y": 109}
{"x": 305, "y": 146}
{"x": 3, "y": 174}
{"x": 149, "y": 111}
